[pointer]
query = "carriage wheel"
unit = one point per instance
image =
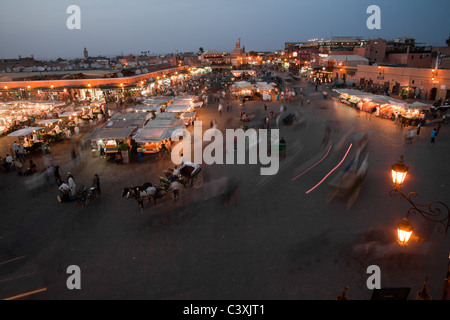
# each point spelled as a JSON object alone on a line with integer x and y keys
{"x": 198, "y": 181}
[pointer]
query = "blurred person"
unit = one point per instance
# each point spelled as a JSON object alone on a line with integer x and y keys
{"x": 9, "y": 162}
{"x": 175, "y": 186}
{"x": 96, "y": 183}
{"x": 71, "y": 183}
{"x": 433, "y": 135}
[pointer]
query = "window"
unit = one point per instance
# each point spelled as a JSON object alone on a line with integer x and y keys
{"x": 413, "y": 81}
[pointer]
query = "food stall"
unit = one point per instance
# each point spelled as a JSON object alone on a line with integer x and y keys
{"x": 52, "y": 130}
{"x": 149, "y": 140}
{"x": 243, "y": 89}
{"x": 29, "y": 137}
{"x": 110, "y": 139}
{"x": 188, "y": 117}
{"x": 178, "y": 109}
{"x": 132, "y": 119}
{"x": 265, "y": 90}
{"x": 156, "y": 132}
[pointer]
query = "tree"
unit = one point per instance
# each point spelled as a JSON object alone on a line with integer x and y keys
{"x": 448, "y": 41}
{"x": 201, "y": 50}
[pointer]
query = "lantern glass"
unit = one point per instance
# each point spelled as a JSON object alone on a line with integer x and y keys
{"x": 404, "y": 231}
{"x": 398, "y": 177}
{"x": 399, "y": 171}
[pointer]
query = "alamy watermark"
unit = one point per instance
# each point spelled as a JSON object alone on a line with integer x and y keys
{"x": 374, "y": 21}
{"x": 74, "y": 280}
{"x": 237, "y": 144}
{"x": 74, "y": 20}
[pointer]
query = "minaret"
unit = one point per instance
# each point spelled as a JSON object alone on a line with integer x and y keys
{"x": 85, "y": 53}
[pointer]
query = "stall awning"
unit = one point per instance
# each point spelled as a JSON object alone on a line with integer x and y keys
{"x": 165, "y": 123}
{"x": 179, "y": 108}
{"x": 48, "y": 121}
{"x": 197, "y": 105}
{"x": 112, "y": 133}
{"x": 69, "y": 113}
{"x": 152, "y": 135}
{"x": 418, "y": 105}
{"x": 25, "y": 131}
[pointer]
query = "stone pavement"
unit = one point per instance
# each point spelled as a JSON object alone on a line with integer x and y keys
{"x": 276, "y": 242}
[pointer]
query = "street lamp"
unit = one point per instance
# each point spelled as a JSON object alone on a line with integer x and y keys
{"x": 404, "y": 231}
{"x": 399, "y": 170}
{"x": 434, "y": 211}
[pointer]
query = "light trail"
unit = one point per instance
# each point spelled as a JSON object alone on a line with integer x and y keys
{"x": 26, "y": 294}
{"x": 313, "y": 165}
{"x": 331, "y": 170}
{"x": 12, "y": 260}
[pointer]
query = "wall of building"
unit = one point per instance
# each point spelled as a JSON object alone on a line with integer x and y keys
{"x": 424, "y": 79}
{"x": 85, "y": 82}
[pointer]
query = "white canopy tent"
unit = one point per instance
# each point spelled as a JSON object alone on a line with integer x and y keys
{"x": 24, "y": 131}
{"x": 48, "y": 121}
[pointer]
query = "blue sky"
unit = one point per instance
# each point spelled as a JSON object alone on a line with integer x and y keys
{"x": 112, "y": 27}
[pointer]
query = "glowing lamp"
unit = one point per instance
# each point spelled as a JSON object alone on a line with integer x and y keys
{"x": 404, "y": 231}
{"x": 399, "y": 171}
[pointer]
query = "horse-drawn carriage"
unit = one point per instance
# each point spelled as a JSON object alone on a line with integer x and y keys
{"x": 165, "y": 188}
{"x": 187, "y": 177}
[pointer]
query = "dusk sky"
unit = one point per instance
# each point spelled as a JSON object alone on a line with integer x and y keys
{"x": 112, "y": 27}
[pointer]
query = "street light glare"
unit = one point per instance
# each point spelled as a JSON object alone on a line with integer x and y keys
{"x": 399, "y": 170}
{"x": 404, "y": 231}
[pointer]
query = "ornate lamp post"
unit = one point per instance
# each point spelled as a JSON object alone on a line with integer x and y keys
{"x": 434, "y": 211}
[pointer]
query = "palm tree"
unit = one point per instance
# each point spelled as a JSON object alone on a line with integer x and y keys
{"x": 201, "y": 50}
{"x": 448, "y": 41}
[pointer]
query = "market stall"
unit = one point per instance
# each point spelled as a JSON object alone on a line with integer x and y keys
{"x": 179, "y": 108}
{"x": 150, "y": 140}
{"x": 52, "y": 130}
{"x": 265, "y": 90}
{"x": 30, "y": 138}
{"x": 188, "y": 118}
{"x": 132, "y": 119}
{"x": 115, "y": 142}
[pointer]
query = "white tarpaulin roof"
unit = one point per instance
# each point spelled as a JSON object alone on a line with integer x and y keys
{"x": 165, "y": 123}
{"x": 197, "y": 105}
{"x": 178, "y": 108}
{"x": 165, "y": 115}
{"x": 69, "y": 113}
{"x": 84, "y": 107}
{"x": 112, "y": 133}
{"x": 24, "y": 132}
{"x": 418, "y": 105}
{"x": 264, "y": 86}
{"x": 48, "y": 121}
{"x": 131, "y": 116}
{"x": 243, "y": 85}
{"x": 146, "y": 107}
{"x": 152, "y": 134}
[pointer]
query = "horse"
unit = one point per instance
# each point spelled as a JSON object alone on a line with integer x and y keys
{"x": 135, "y": 192}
